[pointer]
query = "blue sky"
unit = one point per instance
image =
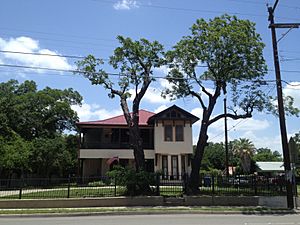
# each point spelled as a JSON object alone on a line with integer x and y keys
{"x": 81, "y": 27}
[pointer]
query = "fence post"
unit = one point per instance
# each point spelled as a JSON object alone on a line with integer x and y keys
{"x": 213, "y": 184}
{"x": 157, "y": 184}
{"x": 21, "y": 187}
{"x": 115, "y": 191}
{"x": 69, "y": 185}
{"x": 185, "y": 183}
{"x": 255, "y": 184}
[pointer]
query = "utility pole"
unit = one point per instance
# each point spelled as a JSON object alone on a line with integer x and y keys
{"x": 226, "y": 138}
{"x": 285, "y": 147}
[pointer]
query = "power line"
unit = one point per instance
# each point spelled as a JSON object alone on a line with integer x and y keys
{"x": 35, "y": 73}
{"x": 261, "y": 3}
{"x": 83, "y": 57}
{"x": 195, "y": 10}
{"x": 62, "y": 35}
{"x": 43, "y": 54}
{"x": 76, "y": 42}
{"x": 111, "y": 74}
{"x": 46, "y": 54}
{"x": 288, "y": 83}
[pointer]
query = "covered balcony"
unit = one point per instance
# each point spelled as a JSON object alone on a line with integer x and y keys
{"x": 113, "y": 138}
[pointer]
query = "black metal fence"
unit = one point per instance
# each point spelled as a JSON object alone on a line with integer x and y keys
{"x": 81, "y": 187}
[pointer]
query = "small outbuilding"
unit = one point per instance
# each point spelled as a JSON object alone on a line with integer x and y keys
{"x": 270, "y": 168}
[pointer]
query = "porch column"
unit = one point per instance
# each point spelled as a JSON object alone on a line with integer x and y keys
{"x": 179, "y": 167}
{"x": 157, "y": 162}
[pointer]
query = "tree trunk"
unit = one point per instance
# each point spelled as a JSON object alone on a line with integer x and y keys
{"x": 138, "y": 150}
{"x": 194, "y": 181}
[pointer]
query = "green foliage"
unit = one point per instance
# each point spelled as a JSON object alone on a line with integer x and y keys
{"x": 266, "y": 155}
{"x": 32, "y": 126}
{"x": 36, "y": 113}
{"x": 232, "y": 52}
{"x": 53, "y": 156}
{"x": 214, "y": 157}
{"x": 296, "y": 138}
{"x": 244, "y": 149}
{"x": 137, "y": 183}
{"x": 211, "y": 172}
{"x": 134, "y": 59}
{"x": 15, "y": 153}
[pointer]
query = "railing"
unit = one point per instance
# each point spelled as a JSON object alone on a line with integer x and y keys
{"x": 242, "y": 185}
{"x": 100, "y": 145}
{"x": 81, "y": 187}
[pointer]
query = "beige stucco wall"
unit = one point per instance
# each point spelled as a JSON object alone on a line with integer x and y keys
{"x": 173, "y": 147}
{"x": 109, "y": 153}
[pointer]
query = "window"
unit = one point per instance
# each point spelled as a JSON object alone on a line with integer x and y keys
{"x": 168, "y": 133}
{"x": 165, "y": 166}
{"x": 179, "y": 132}
{"x": 174, "y": 166}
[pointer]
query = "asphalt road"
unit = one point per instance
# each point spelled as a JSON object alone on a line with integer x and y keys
{"x": 184, "y": 219}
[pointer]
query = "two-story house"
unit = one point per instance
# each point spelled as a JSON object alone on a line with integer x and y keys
{"x": 167, "y": 142}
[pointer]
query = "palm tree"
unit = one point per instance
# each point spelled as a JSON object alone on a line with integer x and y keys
{"x": 244, "y": 149}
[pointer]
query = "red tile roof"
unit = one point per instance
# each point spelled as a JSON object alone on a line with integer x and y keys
{"x": 120, "y": 120}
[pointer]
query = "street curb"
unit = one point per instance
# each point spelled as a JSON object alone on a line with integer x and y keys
{"x": 167, "y": 212}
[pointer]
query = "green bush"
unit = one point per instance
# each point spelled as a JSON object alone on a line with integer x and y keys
{"x": 136, "y": 183}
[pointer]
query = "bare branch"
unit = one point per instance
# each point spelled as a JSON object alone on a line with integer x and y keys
{"x": 198, "y": 96}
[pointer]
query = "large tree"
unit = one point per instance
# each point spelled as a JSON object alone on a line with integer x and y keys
{"x": 32, "y": 127}
{"x": 135, "y": 61}
{"x": 226, "y": 53}
{"x": 33, "y": 113}
{"x": 213, "y": 157}
{"x": 53, "y": 156}
{"x": 267, "y": 155}
{"x": 15, "y": 153}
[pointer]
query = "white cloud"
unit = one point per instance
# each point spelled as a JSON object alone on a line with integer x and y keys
{"x": 249, "y": 124}
{"x": 160, "y": 108}
{"x": 126, "y": 5}
{"x": 161, "y": 71}
{"x": 197, "y": 112}
{"x": 273, "y": 142}
{"x": 243, "y": 127}
{"x": 29, "y": 45}
{"x": 152, "y": 95}
{"x": 293, "y": 90}
{"x": 165, "y": 84}
{"x": 90, "y": 112}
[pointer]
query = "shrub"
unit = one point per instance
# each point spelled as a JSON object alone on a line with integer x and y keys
{"x": 136, "y": 183}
